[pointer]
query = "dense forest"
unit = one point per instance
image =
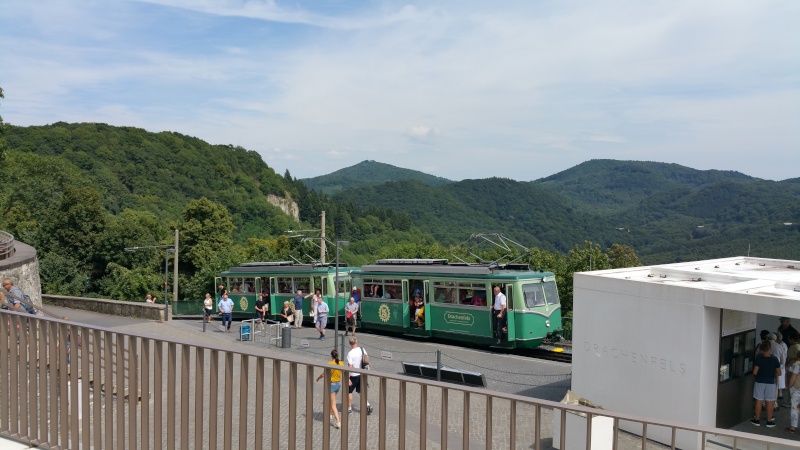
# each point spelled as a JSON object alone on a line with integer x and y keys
{"x": 667, "y": 212}
{"x": 82, "y": 193}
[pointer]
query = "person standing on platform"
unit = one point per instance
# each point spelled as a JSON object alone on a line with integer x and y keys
{"x": 786, "y": 329}
{"x": 225, "y": 307}
{"x": 298, "y": 309}
{"x": 336, "y": 386}
{"x": 776, "y": 347}
{"x": 148, "y": 299}
{"x": 355, "y": 358}
{"x": 793, "y": 383}
{"x": 499, "y": 312}
{"x": 783, "y": 358}
{"x": 350, "y": 309}
{"x": 322, "y": 317}
{"x": 261, "y": 311}
{"x": 208, "y": 307}
{"x": 766, "y": 369}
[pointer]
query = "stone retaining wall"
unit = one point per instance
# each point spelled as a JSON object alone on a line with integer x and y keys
{"x": 23, "y": 269}
{"x": 139, "y": 310}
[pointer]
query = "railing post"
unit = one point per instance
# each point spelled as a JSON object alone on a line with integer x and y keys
{"x": 438, "y": 365}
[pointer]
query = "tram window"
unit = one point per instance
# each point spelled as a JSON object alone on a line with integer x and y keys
{"x": 285, "y": 286}
{"x": 235, "y": 284}
{"x": 478, "y": 297}
{"x": 445, "y": 292}
{"x": 551, "y": 293}
{"x": 317, "y": 283}
{"x": 324, "y": 286}
{"x": 533, "y": 294}
{"x": 303, "y": 284}
{"x": 392, "y": 290}
{"x": 343, "y": 286}
{"x": 247, "y": 285}
{"x": 372, "y": 289}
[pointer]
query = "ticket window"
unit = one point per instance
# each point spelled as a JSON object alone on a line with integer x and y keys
{"x": 735, "y": 378}
{"x": 736, "y": 355}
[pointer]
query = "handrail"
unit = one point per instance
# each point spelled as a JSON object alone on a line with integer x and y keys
{"x": 270, "y": 377}
{"x": 7, "y": 248}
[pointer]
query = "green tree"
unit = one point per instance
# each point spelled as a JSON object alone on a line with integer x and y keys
{"x": 130, "y": 284}
{"x": 622, "y": 255}
{"x": 74, "y": 226}
{"x": 62, "y": 275}
{"x": 206, "y": 229}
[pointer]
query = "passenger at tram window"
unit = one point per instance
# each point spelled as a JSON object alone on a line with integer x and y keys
{"x": 478, "y": 300}
{"x": 246, "y": 287}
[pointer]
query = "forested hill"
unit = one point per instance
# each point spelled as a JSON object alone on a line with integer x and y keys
{"x": 605, "y": 185}
{"x": 82, "y": 193}
{"x": 368, "y": 173}
{"x": 666, "y": 212}
{"x": 533, "y": 215}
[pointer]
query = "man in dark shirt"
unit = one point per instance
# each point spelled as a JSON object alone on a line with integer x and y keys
{"x": 785, "y": 329}
{"x": 766, "y": 369}
{"x": 261, "y": 310}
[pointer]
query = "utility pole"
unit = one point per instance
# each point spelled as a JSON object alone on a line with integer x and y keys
{"x": 322, "y": 240}
{"x": 175, "y": 273}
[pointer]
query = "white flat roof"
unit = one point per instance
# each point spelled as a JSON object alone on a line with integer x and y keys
{"x": 754, "y": 276}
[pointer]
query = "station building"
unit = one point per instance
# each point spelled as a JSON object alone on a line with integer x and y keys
{"x": 677, "y": 341}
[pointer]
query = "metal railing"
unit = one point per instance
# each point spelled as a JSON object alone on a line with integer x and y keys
{"x": 65, "y": 385}
{"x": 6, "y": 245}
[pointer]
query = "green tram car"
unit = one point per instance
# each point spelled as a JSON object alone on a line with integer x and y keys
{"x": 458, "y": 300}
{"x": 281, "y": 280}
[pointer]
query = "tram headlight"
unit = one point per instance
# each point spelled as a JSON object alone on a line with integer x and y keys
{"x": 547, "y": 323}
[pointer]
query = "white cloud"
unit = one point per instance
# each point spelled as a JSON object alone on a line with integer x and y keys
{"x": 422, "y": 132}
{"x": 522, "y": 90}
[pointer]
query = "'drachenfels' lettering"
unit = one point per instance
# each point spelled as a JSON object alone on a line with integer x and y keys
{"x": 639, "y": 358}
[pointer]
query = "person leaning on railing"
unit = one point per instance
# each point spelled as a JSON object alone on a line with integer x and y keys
{"x": 15, "y": 297}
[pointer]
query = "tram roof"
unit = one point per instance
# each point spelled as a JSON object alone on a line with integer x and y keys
{"x": 444, "y": 267}
{"x": 283, "y": 267}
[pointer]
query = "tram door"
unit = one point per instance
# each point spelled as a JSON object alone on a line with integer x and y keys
{"x": 427, "y": 301}
{"x": 510, "y": 312}
{"x": 217, "y": 284}
{"x": 275, "y": 305}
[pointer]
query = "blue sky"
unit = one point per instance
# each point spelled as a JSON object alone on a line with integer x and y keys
{"x": 460, "y": 89}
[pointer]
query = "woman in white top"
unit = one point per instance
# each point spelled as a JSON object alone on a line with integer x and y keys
{"x": 208, "y": 307}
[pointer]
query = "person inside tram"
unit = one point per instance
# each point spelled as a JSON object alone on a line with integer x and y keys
{"x": 412, "y": 305}
{"x": 477, "y": 300}
{"x": 420, "y": 312}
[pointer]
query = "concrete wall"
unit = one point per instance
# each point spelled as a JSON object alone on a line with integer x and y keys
{"x": 23, "y": 269}
{"x": 113, "y": 307}
{"x": 648, "y": 350}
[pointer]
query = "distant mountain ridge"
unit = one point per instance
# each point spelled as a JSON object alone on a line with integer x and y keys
{"x": 368, "y": 173}
{"x": 668, "y": 212}
{"x": 604, "y": 185}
